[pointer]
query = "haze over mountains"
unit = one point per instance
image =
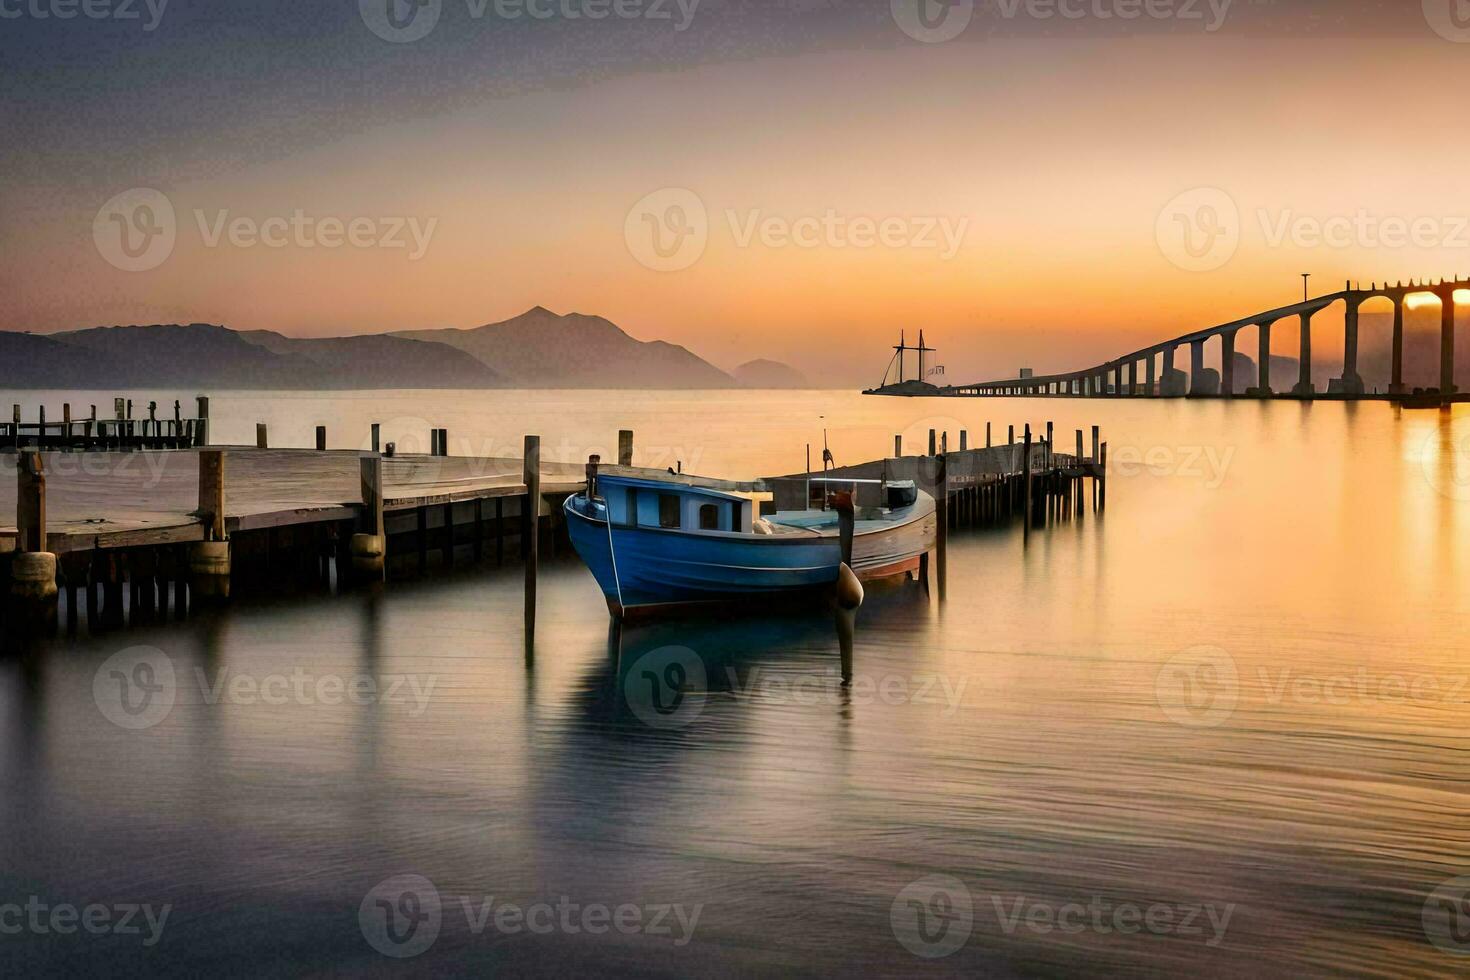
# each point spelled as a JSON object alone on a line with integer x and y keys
{"x": 538, "y": 349}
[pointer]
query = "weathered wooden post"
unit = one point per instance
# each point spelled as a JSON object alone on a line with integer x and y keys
{"x": 1102, "y": 493}
{"x": 964, "y": 440}
{"x": 898, "y": 446}
{"x": 41, "y": 429}
{"x": 1026, "y": 481}
{"x": 1011, "y": 436}
{"x": 944, "y": 442}
{"x": 625, "y": 447}
{"x": 65, "y": 424}
{"x": 201, "y": 434}
{"x": 1048, "y": 444}
{"x": 532, "y": 474}
{"x": 119, "y": 409}
{"x": 941, "y": 514}
{"x": 321, "y": 438}
{"x": 987, "y": 435}
{"x": 33, "y": 568}
{"x": 209, "y": 560}
{"x": 933, "y": 443}
{"x": 377, "y": 435}
{"x": 369, "y": 547}
{"x": 261, "y": 439}
{"x": 849, "y": 592}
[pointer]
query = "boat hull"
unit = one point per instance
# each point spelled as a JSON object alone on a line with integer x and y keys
{"x": 649, "y": 569}
{"x": 642, "y": 569}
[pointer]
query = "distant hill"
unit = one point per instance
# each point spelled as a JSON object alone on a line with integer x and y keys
{"x": 762, "y": 373}
{"x": 377, "y": 361}
{"x": 540, "y": 349}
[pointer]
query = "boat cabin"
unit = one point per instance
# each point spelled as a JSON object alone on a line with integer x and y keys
{"x": 673, "y": 506}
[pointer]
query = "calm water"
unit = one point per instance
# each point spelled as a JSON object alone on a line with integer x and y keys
{"x": 1223, "y": 729}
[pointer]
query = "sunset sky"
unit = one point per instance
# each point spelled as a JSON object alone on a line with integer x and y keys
{"x": 1021, "y": 174}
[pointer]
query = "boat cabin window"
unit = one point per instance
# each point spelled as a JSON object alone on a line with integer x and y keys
{"x": 668, "y": 510}
{"x": 709, "y": 518}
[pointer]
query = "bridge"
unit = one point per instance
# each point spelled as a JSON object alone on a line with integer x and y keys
{"x": 1138, "y": 373}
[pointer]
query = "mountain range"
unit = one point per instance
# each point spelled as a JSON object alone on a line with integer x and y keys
{"x": 538, "y": 349}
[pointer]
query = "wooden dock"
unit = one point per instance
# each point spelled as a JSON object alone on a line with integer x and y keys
{"x": 133, "y": 537}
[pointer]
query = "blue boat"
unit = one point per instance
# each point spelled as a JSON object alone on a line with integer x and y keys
{"x": 657, "y": 545}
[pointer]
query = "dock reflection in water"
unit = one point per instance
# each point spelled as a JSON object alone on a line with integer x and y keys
{"x": 1221, "y": 728}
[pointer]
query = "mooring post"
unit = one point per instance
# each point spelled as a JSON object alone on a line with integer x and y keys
{"x": 33, "y": 568}
{"x": 987, "y": 435}
{"x": 941, "y": 514}
{"x": 201, "y": 434}
{"x": 1102, "y": 493}
{"x": 261, "y": 441}
{"x": 65, "y": 424}
{"x": 625, "y": 447}
{"x": 1011, "y": 436}
{"x": 898, "y": 446}
{"x": 1026, "y": 481}
{"x": 944, "y": 442}
{"x": 377, "y": 434}
{"x": 964, "y": 440}
{"x": 369, "y": 547}
{"x": 321, "y": 438}
{"x": 933, "y": 438}
{"x": 209, "y": 560}
{"x": 1048, "y": 445}
{"x": 532, "y": 475}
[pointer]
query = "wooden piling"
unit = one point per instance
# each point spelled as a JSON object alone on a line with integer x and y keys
{"x": 532, "y": 472}
{"x": 321, "y": 438}
{"x": 964, "y": 440}
{"x": 941, "y": 543}
{"x": 987, "y": 435}
{"x": 1102, "y": 478}
{"x": 30, "y": 501}
{"x": 1026, "y": 480}
{"x": 933, "y": 443}
{"x": 209, "y": 560}
{"x": 898, "y": 446}
{"x": 369, "y": 547}
{"x": 261, "y": 439}
{"x": 376, "y": 437}
{"x": 625, "y": 447}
